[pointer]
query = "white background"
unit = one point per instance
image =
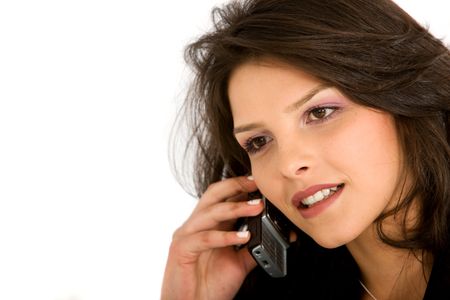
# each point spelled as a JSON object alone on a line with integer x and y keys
{"x": 88, "y": 93}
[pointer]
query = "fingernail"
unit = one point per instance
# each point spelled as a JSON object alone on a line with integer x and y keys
{"x": 250, "y": 177}
{"x": 254, "y": 202}
{"x": 242, "y": 234}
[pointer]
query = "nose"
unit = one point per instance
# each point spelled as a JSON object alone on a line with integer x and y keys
{"x": 295, "y": 159}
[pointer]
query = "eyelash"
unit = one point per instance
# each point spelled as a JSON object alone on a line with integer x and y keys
{"x": 316, "y": 109}
{"x": 251, "y": 148}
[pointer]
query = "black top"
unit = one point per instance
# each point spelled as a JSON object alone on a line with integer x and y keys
{"x": 439, "y": 284}
{"x": 325, "y": 274}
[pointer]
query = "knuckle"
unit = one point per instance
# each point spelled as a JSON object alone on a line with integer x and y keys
{"x": 187, "y": 228}
{"x": 229, "y": 238}
{"x": 225, "y": 211}
{"x": 213, "y": 186}
{"x": 212, "y": 212}
{"x": 234, "y": 208}
{"x": 177, "y": 246}
{"x": 177, "y": 234}
{"x": 183, "y": 230}
{"x": 245, "y": 185}
{"x": 205, "y": 238}
{"x": 210, "y": 192}
{"x": 174, "y": 247}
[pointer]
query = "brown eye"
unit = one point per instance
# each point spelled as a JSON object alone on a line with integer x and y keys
{"x": 258, "y": 142}
{"x": 320, "y": 113}
{"x": 255, "y": 144}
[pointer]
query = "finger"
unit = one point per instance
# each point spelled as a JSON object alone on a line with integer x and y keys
{"x": 292, "y": 236}
{"x": 247, "y": 260}
{"x": 213, "y": 216}
{"x": 207, "y": 240}
{"x": 238, "y": 198}
{"x": 225, "y": 189}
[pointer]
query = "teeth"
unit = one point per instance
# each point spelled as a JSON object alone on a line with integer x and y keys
{"x": 320, "y": 195}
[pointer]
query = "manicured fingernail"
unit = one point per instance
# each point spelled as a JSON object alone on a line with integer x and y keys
{"x": 250, "y": 177}
{"x": 242, "y": 234}
{"x": 254, "y": 202}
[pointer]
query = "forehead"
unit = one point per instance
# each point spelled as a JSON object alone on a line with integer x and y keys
{"x": 275, "y": 68}
{"x": 266, "y": 80}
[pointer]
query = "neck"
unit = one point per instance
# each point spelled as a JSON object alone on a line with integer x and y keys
{"x": 387, "y": 272}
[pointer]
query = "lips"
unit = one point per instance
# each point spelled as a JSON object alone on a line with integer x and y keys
{"x": 315, "y": 194}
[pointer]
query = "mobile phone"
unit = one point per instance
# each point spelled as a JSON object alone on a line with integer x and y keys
{"x": 269, "y": 240}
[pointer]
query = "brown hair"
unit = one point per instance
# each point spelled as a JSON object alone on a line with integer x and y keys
{"x": 372, "y": 51}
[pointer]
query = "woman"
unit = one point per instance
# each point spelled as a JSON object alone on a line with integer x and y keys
{"x": 339, "y": 111}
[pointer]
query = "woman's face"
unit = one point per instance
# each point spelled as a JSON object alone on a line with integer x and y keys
{"x": 330, "y": 165}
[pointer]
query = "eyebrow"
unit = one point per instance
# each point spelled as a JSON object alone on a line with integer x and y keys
{"x": 291, "y": 108}
{"x": 297, "y": 104}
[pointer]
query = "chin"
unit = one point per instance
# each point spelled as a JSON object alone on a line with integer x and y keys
{"x": 329, "y": 245}
{"x": 331, "y": 242}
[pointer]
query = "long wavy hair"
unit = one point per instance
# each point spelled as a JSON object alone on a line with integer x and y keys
{"x": 372, "y": 51}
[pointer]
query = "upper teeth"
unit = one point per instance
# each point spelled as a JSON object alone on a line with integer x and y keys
{"x": 319, "y": 196}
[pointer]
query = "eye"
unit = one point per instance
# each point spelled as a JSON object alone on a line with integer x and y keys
{"x": 255, "y": 144}
{"x": 317, "y": 114}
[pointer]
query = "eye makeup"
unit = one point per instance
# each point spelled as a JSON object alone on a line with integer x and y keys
{"x": 317, "y": 111}
{"x": 319, "y": 114}
{"x": 256, "y": 143}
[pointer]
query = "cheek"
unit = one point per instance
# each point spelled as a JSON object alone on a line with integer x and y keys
{"x": 370, "y": 154}
{"x": 266, "y": 179}
{"x": 367, "y": 156}
{"x": 377, "y": 143}
{"x": 260, "y": 172}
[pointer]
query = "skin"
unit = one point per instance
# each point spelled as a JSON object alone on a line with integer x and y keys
{"x": 302, "y": 150}
{"x": 296, "y": 142}
{"x": 299, "y": 146}
{"x": 202, "y": 264}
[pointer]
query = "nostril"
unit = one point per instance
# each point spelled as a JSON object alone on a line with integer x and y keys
{"x": 301, "y": 170}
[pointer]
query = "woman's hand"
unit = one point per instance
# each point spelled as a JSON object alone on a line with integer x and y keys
{"x": 202, "y": 262}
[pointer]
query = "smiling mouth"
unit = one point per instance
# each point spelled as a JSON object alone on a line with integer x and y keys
{"x": 319, "y": 196}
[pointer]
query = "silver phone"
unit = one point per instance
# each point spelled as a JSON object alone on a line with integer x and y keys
{"x": 269, "y": 240}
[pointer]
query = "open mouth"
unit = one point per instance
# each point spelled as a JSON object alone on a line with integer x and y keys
{"x": 319, "y": 196}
